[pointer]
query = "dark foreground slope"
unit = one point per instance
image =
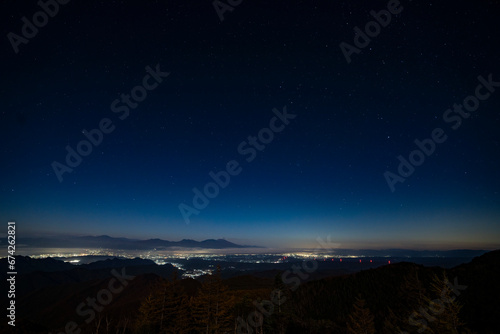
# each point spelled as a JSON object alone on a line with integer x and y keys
{"x": 402, "y": 297}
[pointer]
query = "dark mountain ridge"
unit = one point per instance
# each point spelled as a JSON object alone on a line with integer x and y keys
{"x": 105, "y": 241}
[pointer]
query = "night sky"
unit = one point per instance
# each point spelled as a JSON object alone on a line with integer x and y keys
{"x": 321, "y": 174}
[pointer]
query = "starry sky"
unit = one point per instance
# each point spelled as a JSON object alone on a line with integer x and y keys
{"x": 212, "y": 83}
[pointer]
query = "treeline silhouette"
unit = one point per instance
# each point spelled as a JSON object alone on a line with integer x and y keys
{"x": 417, "y": 299}
{"x": 397, "y": 298}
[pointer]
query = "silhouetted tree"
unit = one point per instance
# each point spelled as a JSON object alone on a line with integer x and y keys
{"x": 212, "y": 307}
{"x": 392, "y": 323}
{"x": 148, "y": 315}
{"x": 166, "y": 310}
{"x": 282, "y": 300}
{"x": 361, "y": 319}
{"x": 445, "y": 308}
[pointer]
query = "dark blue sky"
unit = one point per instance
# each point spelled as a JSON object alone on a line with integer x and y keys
{"x": 323, "y": 174}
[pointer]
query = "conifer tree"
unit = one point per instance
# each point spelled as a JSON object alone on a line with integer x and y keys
{"x": 166, "y": 310}
{"x": 148, "y": 312}
{"x": 361, "y": 319}
{"x": 175, "y": 310}
{"x": 445, "y": 307}
{"x": 413, "y": 288}
{"x": 281, "y": 296}
{"x": 392, "y": 323}
{"x": 212, "y": 307}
